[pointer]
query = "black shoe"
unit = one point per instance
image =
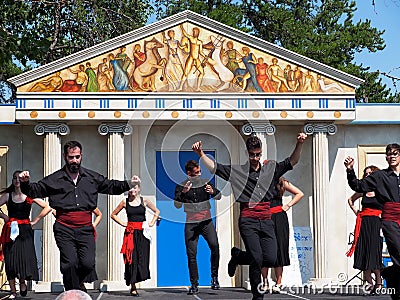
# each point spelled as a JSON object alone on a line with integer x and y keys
{"x": 215, "y": 283}
{"x": 193, "y": 290}
{"x": 233, "y": 262}
{"x": 22, "y": 292}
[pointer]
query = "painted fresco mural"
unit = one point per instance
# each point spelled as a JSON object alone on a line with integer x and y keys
{"x": 186, "y": 59}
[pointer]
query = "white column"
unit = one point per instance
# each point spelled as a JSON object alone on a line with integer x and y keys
{"x": 262, "y": 130}
{"x": 115, "y": 265}
{"x": 51, "y": 276}
{"x": 320, "y": 198}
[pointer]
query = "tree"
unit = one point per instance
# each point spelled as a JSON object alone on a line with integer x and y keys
{"x": 227, "y": 12}
{"x": 37, "y": 32}
{"x": 324, "y": 31}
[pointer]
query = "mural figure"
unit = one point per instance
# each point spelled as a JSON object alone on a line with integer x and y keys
{"x": 120, "y": 78}
{"x": 262, "y": 77}
{"x": 309, "y": 82}
{"x": 328, "y": 87}
{"x": 224, "y": 74}
{"x": 173, "y": 68}
{"x": 123, "y": 59}
{"x": 145, "y": 74}
{"x": 242, "y": 76}
{"x": 104, "y": 78}
{"x": 288, "y": 73}
{"x": 92, "y": 85}
{"x": 233, "y": 56}
{"x": 79, "y": 83}
{"x": 138, "y": 57}
{"x": 275, "y": 70}
{"x": 193, "y": 60}
{"x": 51, "y": 84}
{"x": 298, "y": 78}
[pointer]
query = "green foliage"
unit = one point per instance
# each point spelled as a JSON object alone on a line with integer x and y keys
{"x": 227, "y": 12}
{"x": 38, "y": 32}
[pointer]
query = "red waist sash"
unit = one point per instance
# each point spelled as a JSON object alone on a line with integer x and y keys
{"x": 74, "y": 219}
{"x": 260, "y": 210}
{"x": 391, "y": 212}
{"x": 5, "y": 233}
{"x": 198, "y": 216}
{"x": 128, "y": 244}
{"x": 276, "y": 209}
{"x": 365, "y": 212}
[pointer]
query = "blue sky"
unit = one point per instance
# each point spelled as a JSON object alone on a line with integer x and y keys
{"x": 384, "y": 16}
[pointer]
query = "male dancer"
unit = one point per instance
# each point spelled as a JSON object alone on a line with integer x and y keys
{"x": 73, "y": 192}
{"x": 253, "y": 186}
{"x": 195, "y": 193}
{"x": 386, "y": 185}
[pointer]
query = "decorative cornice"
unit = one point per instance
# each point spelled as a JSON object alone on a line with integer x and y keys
{"x": 313, "y": 128}
{"x": 258, "y": 127}
{"x": 60, "y": 128}
{"x": 108, "y": 128}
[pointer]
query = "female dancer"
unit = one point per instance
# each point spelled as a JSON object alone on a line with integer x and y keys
{"x": 281, "y": 222}
{"x": 136, "y": 244}
{"x": 17, "y": 236}
{"x": 367, "y": 244}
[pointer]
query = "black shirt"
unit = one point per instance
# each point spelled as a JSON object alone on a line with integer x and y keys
{"x": 251, "y": 185}
{"x": 196, "y": 199}
{"x": 385, "y": 183}
{"x": 65, "y": 195}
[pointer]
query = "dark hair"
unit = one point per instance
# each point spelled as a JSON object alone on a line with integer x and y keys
{"x": 11, "y": 187}
{"x": 280, "y": 186}
{"x": 373, "y": 169}
{"x": 190, "y": 165}
{"x": 71, "y": 145}
{"x": 253, "y": 142}
{"x": 392, "y": 147}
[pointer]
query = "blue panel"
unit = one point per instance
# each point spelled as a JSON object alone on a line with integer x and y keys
{"x": 172, "y": 269}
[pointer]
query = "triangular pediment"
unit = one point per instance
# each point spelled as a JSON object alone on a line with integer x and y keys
{"x": 186, "y": 53}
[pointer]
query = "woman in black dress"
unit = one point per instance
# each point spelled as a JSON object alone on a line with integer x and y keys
{"x": 281, "y": 223}
{"x": 17, "y": 236}
{"x": 136, "y": 244}
{"x": 367, "y": 244}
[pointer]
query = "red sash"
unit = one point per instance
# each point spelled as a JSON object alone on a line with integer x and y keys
{"x": 5, "y": 233}
{"x": 74, "y": 219}
{"x": 260, "y": 210}
{"x": 360, "y": 215}
{"x": 276, "y": 209}
{"x": 391, "y": 212}
{"x": 128, "y": 244}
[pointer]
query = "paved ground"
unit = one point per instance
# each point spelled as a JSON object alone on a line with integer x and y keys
{"x": 207, "y": 293}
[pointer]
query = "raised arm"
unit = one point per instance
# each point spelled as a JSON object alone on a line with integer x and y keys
{"x": 367, "y": 184}
{"x": 295, "y": 156}
{"x": 208, "y": 162}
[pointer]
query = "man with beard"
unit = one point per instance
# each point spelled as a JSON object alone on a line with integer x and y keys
{"x": 73, "y": 192}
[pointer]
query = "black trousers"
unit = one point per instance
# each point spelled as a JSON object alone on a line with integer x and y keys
{"x": 260, "y": 242}
{"x": 77, "y": 253}
{"x": 391, "y": 231}
{"x": 192, "y": 233}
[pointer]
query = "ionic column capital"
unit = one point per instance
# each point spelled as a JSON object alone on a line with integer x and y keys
{"x": 258, "y": 127}
{"x": 59, "y": 128}
{"x": 312, "y": 128}
{"x": 108, "y": 128}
